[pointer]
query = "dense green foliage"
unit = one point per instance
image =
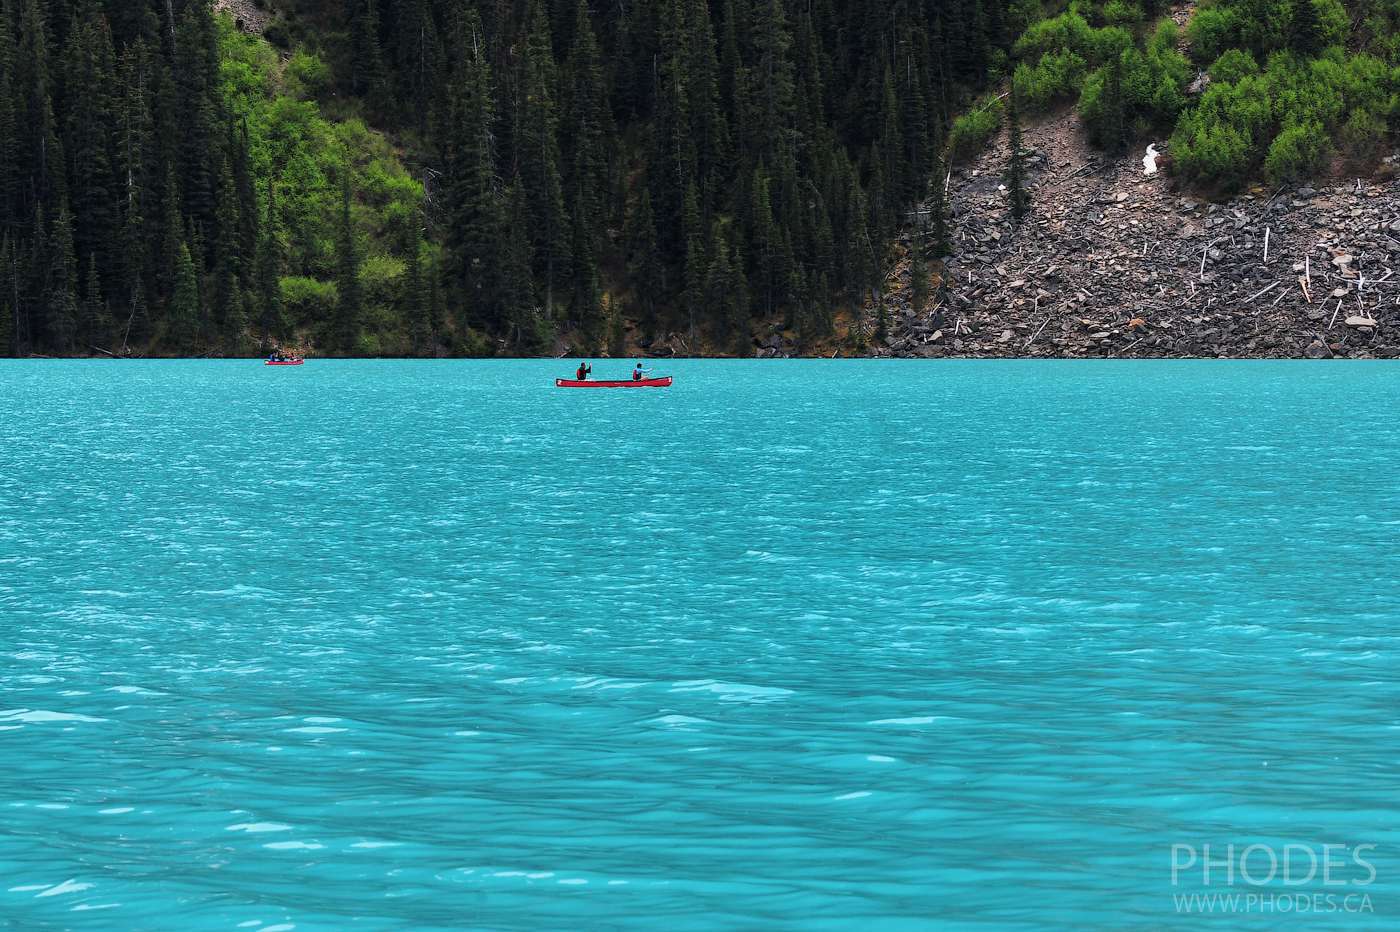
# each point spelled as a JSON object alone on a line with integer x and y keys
{"x": 1293, "y": 83}
{"x": 448, "y": 176}
{"x": 1284, "y": 99}
{"x": 428, "y": 176}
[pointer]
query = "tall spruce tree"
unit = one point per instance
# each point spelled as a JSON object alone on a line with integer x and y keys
{"x": 1306, "y": 35}
{"x": 1017, "y": 197}
{"x": 184, "y": 329}
{"x": 61, "y": 285}
{"x": 473, "y": 208}
{"x": 546, "y": 222}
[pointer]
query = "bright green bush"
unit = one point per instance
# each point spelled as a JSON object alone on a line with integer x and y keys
{"x": 1122, "y": 13}
{"x": 1233, "y": 66}
{"x": 1297, "y": 152}
{"x": 1211, "y": 153}
{"x": 1164, "y": 39}
{"x": 1276, "y": 105}
{"x": 1149, "y": 93}
{"x": 1264, "y": 24}
{"x": 1108, "y": 43}
{"x": 308, "y": 299}
{"x": 307, "y": 157}
{"x": 307, "y": 76}
{"x": 972, "y": 130}
{"x": 1363, "y": 135}
{"x": 1057, "y": 76}
{"x": 1068, "y": 32}
{"x": 381, "y": 278}
{"x": 1336, "y": 24}
{"x": 1213, "y": 32}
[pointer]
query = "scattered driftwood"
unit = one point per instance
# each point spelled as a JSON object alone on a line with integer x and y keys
{"x": 1037, "y": 331}
{"x": 1263, "y": 291}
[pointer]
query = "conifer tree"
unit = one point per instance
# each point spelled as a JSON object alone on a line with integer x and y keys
{"x": 417, "y": 59}
{"x": 587, "y": 124}
{"x": 61, "y": 313}
{"x": 696, "y": 265}
{"x": 198, "y": 117}
{"x": 1016, "y": 194}
{"x": 939, "y": 243}
{"x": 369, "y": 77}
{"x": 707, "y": 124}
{"x": 46, "y": 182}
{"x": 617, "y": 332}
{"x": 96, "y": 327}
{"x": 185, "y": 311}
{"x": 472, "y": 192}
{"x": 1113, "y": 134}
{"x": 227, "y": 302}
{"x": 9, "y": 297}
{"x": 519, "y": 288}
{"x": 1306, "y": 35}
{"x": 91, "y": 68}
{"x": 771, "y": 84}
{"x": 647, "y": 273}
{"x": 10, "y": 206}
{"x": 547, "y": 222}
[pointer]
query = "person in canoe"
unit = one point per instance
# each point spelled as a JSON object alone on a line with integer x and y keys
{"x": 639, "y": 373}
{"x": 584, "y": 371}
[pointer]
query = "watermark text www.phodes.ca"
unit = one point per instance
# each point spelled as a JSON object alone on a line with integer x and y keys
{"x": 1235, "y": 878}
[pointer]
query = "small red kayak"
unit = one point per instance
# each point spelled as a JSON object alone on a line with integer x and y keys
{"x": 616, "y": 383}
{"x": 287, "y": 362}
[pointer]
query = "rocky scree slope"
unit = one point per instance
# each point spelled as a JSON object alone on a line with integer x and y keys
{"x": 1116, "y": 262}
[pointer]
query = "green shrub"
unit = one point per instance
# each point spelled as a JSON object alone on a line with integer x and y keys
{"x": 972, "y": 130}
{"x": 1108, "y": 43}
{"x": 1275, "y": 105}
{"x": 1022, "y": 14}
{"x": 1212, "y": 32}
{"x": 1363, "y": 135}
{"x": 1104, "y": 115}
{"x": 1057, "y": 76}
{"x": 307, "y": 299}
{"x": 1264, "y": 24}
{"x": 1164, "y": 40}
{"x": 306, "y": 76}
{"x": 1214, "y": 154}
{"x": 1121, "y": 13}
{"x": 1068, "y": 32}
{"x": 1336, "y": 24}
{"x": 1298, "y": 151}
{"x": 381, "y": 278}
{"x": 1233, "y": 66}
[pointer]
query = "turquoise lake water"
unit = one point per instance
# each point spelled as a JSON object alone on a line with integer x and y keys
{"x": 827, "y": 645}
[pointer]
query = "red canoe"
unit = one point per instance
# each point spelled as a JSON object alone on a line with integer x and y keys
{"x": 618, "y": 383}
{"x": 289, "y": 362}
